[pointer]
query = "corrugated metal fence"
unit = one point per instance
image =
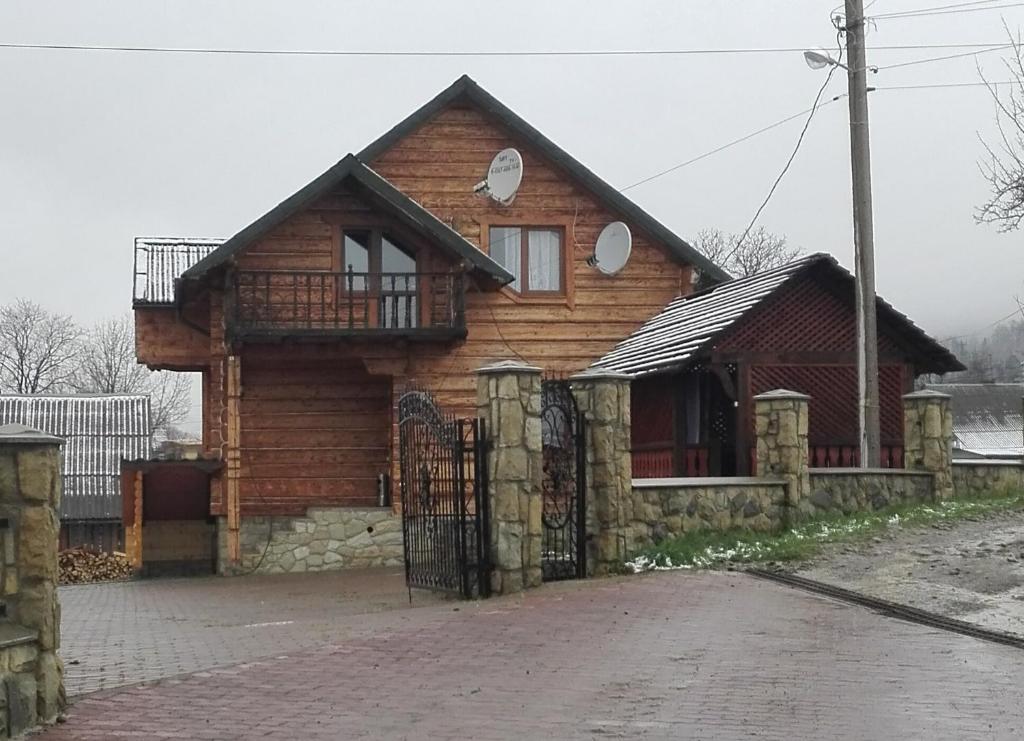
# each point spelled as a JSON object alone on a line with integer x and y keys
{"x": 99, "y": 431}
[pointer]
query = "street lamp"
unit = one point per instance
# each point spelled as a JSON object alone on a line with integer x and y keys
{"x": 821, "y": 59}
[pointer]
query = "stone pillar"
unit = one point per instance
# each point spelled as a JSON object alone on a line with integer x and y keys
{"x": 603, "y": 400}
{"x": 780, "y": 426}
{"x": 928, "y": 438}
{"x": 509, "y": 399}
{"x": 30, "y": 483}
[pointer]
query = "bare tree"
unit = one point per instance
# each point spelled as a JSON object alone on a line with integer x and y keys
{"x": 1003, "y": 164}
{"x": 108, "y": 366}
{"x": 37, "y": 349}
{"x": 760, "y": 251}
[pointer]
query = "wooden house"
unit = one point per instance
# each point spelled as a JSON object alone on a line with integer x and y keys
{"x": 385, "y": 272}
{"x": 699, "y": 362}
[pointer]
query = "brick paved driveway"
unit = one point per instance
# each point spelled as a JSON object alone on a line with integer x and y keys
{"x": 125, "y": 633}
{"x": 665, "y": 656}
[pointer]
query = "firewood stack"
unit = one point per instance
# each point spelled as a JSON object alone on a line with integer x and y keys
{"x": 83, "y": 565}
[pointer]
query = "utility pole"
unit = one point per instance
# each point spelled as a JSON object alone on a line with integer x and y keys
{"x": 863, "y": 238}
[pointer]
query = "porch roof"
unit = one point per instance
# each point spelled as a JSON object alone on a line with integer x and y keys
{"x": 691, "y": 325}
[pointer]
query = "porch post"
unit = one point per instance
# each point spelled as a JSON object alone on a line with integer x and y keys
{"x": 233, "y": 463}
{"x": 781, "y": 422}
{"x": 603, "y": 397}
{"x": 509, "y": 401}
{"x": 928, "y": 438}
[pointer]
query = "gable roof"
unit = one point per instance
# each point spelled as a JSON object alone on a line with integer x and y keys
{"x": 98, "y": 430}
{"x": 159, "y": 261}
{"x": 690, "y": 325}
{"x": 392, "y": 200}
{"x": 987, "y": 417}
{"x": 465, "y": 89}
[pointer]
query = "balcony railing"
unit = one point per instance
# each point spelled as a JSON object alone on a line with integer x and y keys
{"x": 319, "y": 303}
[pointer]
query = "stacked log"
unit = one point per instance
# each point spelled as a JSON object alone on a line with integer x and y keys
{"x": 84, "y": 565}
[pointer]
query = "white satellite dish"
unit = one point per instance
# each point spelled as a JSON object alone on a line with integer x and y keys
{"x": 503, "y": 177}
{"x": 614, "y": 245}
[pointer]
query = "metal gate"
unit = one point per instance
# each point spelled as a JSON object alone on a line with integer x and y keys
{"x": 443, "y": 466}
{"x": 564, "y": 547}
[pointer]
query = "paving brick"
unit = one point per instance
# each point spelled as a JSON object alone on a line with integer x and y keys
{"x": 666, "y": 656}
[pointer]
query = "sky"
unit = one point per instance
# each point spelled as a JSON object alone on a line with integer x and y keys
{"x": 97, "y": 147}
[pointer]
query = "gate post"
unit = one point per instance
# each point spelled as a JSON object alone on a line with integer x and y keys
{"x": 928, "y": 438}
{"x": 603, "y": 398}
{"x": 509, "y": 401}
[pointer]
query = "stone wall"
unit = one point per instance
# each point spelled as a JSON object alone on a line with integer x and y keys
{"x": 849, "y": 490}
{"x": 31, "y": 672}
{"x": 664, "y": 508}
{"x": 987, "y": 478}
{"x": 327, "y": 538}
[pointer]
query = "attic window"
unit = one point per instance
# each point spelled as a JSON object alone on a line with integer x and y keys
{"x": 532, "y": 254}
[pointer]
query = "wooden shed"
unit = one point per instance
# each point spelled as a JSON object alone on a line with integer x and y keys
{"x": 698, "y": 364}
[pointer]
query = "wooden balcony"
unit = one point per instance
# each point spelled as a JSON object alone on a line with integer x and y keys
{"x": 275, "y": 304}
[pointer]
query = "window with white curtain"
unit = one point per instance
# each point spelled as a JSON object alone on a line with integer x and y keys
{"x": 533, "y": 256}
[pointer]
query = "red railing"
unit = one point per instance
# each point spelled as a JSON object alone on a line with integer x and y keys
{"x": 847, "y": 456}
{"x": 842, "y": 456}
{"x": 659, "y": 462}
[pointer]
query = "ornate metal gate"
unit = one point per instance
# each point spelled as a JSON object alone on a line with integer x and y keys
{"x": 564, "y": 548}
{"x": 443, "y": 466}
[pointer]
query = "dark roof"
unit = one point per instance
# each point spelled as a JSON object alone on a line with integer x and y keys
{"x": 98, "y": 432}
{"x": 690, "y": 325}
{"x": 988, "y": 418}
{"x": 465, "y": 89}
{"x": 159, "y": 261}
{"x": 410, "y": 213}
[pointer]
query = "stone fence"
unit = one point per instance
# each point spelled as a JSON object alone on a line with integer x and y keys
{"x": 31, "y": 672}
{"x": 987, "y": 477}
{"x": 664, "y": 508}
{"x": 849, "y": 490}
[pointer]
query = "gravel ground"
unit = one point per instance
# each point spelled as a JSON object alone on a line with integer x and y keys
{"x": 972, "y": 569}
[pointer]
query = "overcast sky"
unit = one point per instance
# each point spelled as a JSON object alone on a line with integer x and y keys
{"x": 98, "y": 147}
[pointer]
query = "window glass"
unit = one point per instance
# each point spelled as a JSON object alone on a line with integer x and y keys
{"x": 395, "y": 258}
{"x": 357, "y": 256}
{"x": 545, "y": 260}
{"x": 505, "y": 245}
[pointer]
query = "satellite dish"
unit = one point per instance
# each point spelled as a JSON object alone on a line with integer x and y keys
{"x": 611, "y": 253}
{"x": 503, "y": 177}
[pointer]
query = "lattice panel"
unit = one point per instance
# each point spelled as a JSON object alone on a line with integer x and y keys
{"x": 804, "y": 318}
{"x": 833, "y": 392}
{"x": 651, "y": 411}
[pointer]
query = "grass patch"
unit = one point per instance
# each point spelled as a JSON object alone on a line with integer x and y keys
{"x": 707, "y": 549}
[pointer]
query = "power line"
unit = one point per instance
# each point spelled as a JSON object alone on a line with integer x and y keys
{"x": 733, "y": 143}
{"x": 914, "y": 11}
{"x": 792, "y": 156}
{"x": 938, "y": 85}
{"x": 953, "y": 10}
{"x": 944, "y": 58}
{"x": 1015, "y": 312}
{"x": 489, "y": 53}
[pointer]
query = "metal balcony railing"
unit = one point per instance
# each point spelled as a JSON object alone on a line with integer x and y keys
{"x": 286, "y": 302}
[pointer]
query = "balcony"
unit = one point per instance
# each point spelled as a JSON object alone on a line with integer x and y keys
{"x": 275, "y": 304}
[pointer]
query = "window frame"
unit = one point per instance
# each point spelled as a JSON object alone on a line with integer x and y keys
{"x": 563, "y": 293}
{"x": 375, "y": 251}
